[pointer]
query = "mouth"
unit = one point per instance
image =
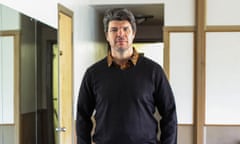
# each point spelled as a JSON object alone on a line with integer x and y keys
{"x": 121, "y": 42}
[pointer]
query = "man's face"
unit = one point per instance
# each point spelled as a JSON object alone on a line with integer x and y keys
{"x": 120, "y": 35}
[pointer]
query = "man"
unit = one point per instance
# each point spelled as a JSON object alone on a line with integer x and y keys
{"x": 124, "y": 88}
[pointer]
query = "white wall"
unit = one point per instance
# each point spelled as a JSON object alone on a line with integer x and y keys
{"x": 45, "y": 11}
{"x": 179, "y": 12}
{"x": 9, "y": 19}
{"x": 222, "y": 12}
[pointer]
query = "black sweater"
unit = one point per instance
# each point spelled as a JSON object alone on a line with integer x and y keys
{"x": 125, "y": 102}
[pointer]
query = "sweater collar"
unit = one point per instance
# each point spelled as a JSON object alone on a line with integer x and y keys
{"x": 133, "y": 59}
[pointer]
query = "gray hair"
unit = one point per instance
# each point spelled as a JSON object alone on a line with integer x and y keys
{"x": 119, "y": 14}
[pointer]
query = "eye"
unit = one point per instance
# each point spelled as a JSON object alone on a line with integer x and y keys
{"x": 113, "y": 30}
{"x": 125, "y": 29}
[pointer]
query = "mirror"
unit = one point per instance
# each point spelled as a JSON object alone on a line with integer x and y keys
{"x": 27, "y": 62}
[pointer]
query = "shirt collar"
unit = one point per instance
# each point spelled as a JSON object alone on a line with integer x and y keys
{"x": 133, "y": 58}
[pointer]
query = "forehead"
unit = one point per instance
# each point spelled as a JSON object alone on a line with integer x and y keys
{"x": 119, "y": 23}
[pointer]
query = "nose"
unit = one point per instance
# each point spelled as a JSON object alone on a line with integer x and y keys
{"x": 120, "y": 32}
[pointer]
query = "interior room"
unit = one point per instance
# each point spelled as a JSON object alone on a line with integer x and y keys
{"x": 46, "y": 47}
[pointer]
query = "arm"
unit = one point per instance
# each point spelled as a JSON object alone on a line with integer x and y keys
{"x": 165, "y": 103}
{"x": 85, "y": 107}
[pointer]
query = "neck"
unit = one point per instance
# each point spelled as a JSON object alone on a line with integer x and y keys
{"x": 122, "y": 55}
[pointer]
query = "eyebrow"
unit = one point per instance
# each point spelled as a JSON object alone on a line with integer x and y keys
{"x": 115, "y": 28}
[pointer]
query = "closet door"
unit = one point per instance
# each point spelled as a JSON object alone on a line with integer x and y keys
{"x": 65, "y": 77}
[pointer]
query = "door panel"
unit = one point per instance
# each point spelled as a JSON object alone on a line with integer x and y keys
{"x": 65, "y": 80}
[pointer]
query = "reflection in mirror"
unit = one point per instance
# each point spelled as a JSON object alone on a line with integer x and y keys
{"x": 27, "y": 51}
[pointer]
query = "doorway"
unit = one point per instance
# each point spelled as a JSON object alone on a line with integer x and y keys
{"x": 65, "y": 76}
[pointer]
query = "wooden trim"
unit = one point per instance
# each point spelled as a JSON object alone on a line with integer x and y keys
{"x": 222, "y": 125}
{"x": 166, "y": 40}
{"x": 10, "y": 33}
{"x": 227, "y": 28}
{"x": 65, "y": 10}
{"x": 179, "y": 29}
{"x": 199, "y": 85}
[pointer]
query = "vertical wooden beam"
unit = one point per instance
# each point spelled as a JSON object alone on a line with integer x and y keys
{"x": 199, "y": 120}
{"x": 166, "y": 55}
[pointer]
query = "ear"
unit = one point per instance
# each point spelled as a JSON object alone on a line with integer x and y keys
{"x": 106, "y": 36}
{"x": 133, "y": 35}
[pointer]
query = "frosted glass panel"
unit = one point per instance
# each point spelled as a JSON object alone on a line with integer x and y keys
{"x": 7, "y": 80}
{"x": 153, "y": 51}
{"x": 222, "y": 12}
{"x": 181, "y": 74}
{"x": 222, "y": 78}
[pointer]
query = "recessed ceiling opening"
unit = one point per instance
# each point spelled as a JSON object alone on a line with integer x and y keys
{"x": 149, "y": 19}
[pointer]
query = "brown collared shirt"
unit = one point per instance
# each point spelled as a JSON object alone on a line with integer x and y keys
{"x": 129, "y": 63}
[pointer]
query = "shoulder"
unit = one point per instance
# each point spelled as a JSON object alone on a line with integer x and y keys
{"x": 94, "y": 69}
{"x": 149, "y": 63}
{"x": 153, "y": 68}
{"x": 97, "y": 66}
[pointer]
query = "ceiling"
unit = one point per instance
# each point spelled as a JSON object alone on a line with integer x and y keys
{"x": 156, "y": 10}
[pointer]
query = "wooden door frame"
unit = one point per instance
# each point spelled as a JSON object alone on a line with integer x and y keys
{"x": 16, "y": 37}
{"x": 63, "y": 10}
{"x": 199, "y": 67}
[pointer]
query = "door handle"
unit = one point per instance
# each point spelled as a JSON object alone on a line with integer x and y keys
{"x": 61, "y": 129}
{"x": 60, "y": 52}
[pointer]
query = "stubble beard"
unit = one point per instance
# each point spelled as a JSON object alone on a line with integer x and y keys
{"x": 121, "y": 51}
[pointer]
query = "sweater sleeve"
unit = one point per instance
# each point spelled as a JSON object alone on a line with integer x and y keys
{"x": 85, "y": 107}
{"x": 165, "y": 103}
